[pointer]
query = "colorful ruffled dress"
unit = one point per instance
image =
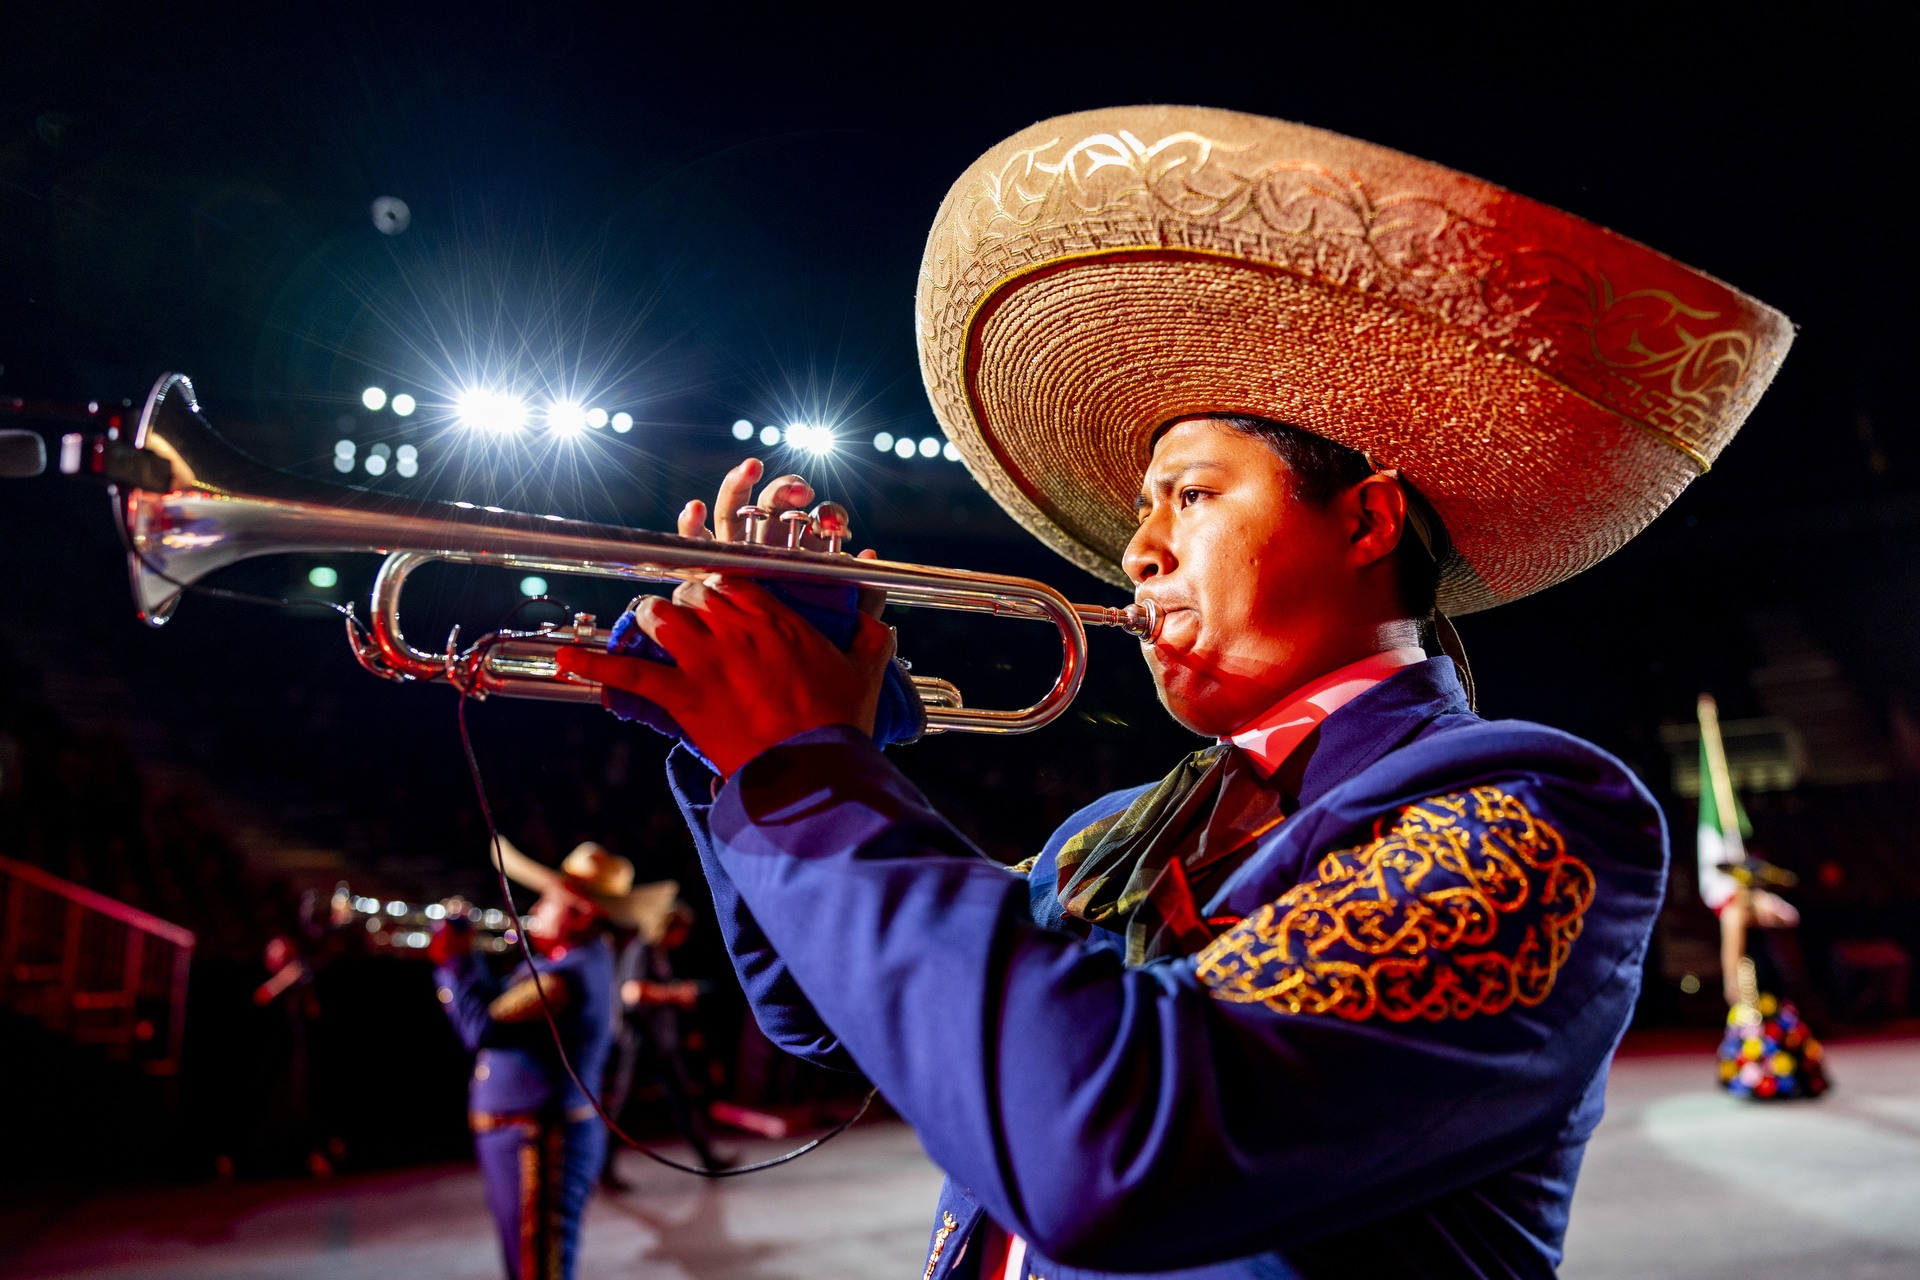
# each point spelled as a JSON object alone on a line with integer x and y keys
{"x": 1768, "y": 1052}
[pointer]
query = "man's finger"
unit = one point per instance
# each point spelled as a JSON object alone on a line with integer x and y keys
{"x": 693, "y": 520}
{"x": 785, "y": 493}
{"x": 734, "y": 489}
{"x": 653, "y": 680}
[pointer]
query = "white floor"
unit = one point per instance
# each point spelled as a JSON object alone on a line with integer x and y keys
{"x": 1680, "y": 1182}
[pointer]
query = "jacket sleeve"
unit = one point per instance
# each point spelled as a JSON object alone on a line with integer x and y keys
{"x": 776, "y": 1000}
{"x": 466, "y": 987}
{"x": 1419, "y": 1003}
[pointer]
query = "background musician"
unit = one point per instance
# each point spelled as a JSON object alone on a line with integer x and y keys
{"x": 539, "y": 1142}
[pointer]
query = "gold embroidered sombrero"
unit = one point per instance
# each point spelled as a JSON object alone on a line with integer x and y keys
{"x": 1547, "y": 385}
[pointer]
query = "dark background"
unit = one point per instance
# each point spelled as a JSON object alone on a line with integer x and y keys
{"x": 699, "y": 219}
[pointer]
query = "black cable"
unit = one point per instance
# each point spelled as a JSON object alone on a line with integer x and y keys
{"x": 540, "y": 986}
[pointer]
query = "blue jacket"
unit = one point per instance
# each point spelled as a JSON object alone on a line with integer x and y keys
{"x": 1390, "y": 1066}
{"x": 515, "y": 1067}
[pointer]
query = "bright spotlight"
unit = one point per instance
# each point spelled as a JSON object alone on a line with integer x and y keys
{"x": 565, "y": 415}
{"x": 929, "y": 447}
{"x": 343, "y": 448}
{"x": 743, "y": 430}
{"x": 323, "y": 577}
{"x": 407, "y": 467}
{"x": 623, "y": 423}
{"x": 769, "y": 435}
{"x": 820, "y": 440}
{"x": 799, "y": 436}
{"x": 532, "y": 586}
{"x": 342, "y": 464}
{"x": 376, "y": 465}
{"x": 374, "y": 398}
{"x": 884, "y": 442}
{"x": 404, "y": 404}
{"x": 950, "y": 451}
{"x": 492, "y": 411}
{"x": 407, "y": 453}
{"x": 903, "y": 447}
{"x": 596, "y": 418}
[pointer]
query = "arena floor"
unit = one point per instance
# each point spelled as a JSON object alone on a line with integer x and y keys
{"x": 1679, "y": 1182}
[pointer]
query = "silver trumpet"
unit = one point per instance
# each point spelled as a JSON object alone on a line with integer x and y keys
{"x": 410, "y": 925}
{"x": 223, "y": 506}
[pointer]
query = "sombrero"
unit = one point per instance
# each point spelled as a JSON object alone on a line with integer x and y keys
{"x": 605, "y": 879}
{"x": 1548, "y": 386}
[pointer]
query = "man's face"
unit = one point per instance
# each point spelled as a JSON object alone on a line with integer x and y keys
{"x": 1261, "y": 591}
{"x": 558, "y": 917}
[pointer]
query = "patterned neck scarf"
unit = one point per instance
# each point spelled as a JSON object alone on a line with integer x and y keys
{"x": 1142, "y": 873}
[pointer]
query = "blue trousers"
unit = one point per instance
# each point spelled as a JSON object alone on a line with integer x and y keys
{"x": 538, "y": 1174}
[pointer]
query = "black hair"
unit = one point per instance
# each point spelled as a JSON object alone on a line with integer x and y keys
{"x": 1322, "y": 470}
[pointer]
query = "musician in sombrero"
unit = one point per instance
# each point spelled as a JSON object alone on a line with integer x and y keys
{"x": 1338, "y": 995}
{"x": 538, "y": 1139}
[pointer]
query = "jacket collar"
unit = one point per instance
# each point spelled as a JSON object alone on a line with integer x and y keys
{"x": 1384, "y": 717}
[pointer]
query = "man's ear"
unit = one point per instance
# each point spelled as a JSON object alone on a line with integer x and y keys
{"x": 1379, "y": 512}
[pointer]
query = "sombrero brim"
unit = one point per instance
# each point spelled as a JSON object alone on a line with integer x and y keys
{"x": 645, "y": 907}
{"x": 1548, "y": 386}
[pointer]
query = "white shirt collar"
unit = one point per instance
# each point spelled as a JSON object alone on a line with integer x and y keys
{"x": 1271, "y": 736}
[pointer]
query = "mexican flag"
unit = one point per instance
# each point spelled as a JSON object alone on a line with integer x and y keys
{"x": 1723, "y": 823}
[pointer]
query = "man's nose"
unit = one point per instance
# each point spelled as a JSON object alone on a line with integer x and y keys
{"x": 1149, "y": 554}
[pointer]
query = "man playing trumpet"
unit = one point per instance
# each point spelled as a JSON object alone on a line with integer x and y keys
{"x": 1337, "y": 996}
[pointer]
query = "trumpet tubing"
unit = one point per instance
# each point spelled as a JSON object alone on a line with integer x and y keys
{"x": 224, "y": 507}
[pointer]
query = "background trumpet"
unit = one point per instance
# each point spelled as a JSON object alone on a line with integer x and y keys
{"x": 221, "y": 506}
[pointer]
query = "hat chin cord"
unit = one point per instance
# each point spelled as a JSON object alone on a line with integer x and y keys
{"x": 1443, "y": 631}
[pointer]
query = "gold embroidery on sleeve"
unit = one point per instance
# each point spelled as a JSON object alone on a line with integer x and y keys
{"x": 1409, "y": 925}
{"x": 947, "y": 1227}
{"x": 521, "y": 1001}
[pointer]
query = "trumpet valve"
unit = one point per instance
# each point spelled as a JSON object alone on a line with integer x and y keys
{"x": 754, "y": 522}
{"x": 831, "y": 524}
{"x": 797, "y": 522}
{"x": 583, "y": 624}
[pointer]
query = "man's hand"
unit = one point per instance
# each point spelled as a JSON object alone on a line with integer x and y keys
{"x": 451, "y": 939}
{"x": 752, "y": 672}
{"x": 635, "y": 993}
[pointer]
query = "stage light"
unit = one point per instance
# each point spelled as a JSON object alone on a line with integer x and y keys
{"x": 406, "y": 460}
{"x": 820, "y": 440}
{"x": 533, "y": 586}
{"x": 396, "y": 908}
{"x": 464, "y": 506}
{"x": 596, "y": 418}
{"x": 374, "y": 398}
{"x": 769, "y": 435}
{"x": 623, "y": 423}
{"x": 323, "y": 577}
{"x": 799, "y": 436}
{"x": 376, "y": 465}
{"x": 343, "y": 456}
{"x": 499, "y": 511}
{"x": 436, "y": 912}
{"x": 565, "y": 415}
{"x": 884, "y": 442}
{"x": 743, "y": 430}
{"x": 492, "y": 410}
{"x": 903, "y": 447}
{"x": 404, "y": 404}
{"x": 929, "y": 447}
{"x": 950, "y": 452}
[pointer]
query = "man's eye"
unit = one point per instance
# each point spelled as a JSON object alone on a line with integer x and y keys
{"x": 1190, "y": 496}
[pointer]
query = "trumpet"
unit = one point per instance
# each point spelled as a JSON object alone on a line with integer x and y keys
{"x": 222, "y": 506}
{"x": 406, "y": 926}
